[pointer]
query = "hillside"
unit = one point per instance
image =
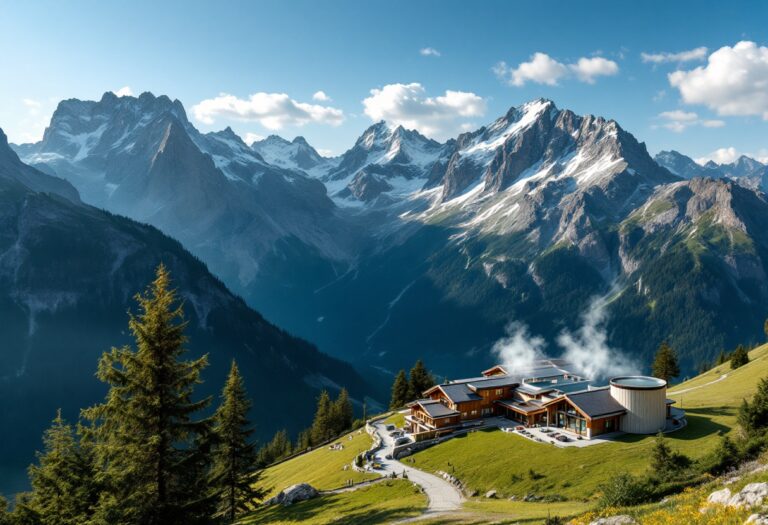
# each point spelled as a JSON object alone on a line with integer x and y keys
{"x": 568, "y": 477}
{"x": 68, "y": 275}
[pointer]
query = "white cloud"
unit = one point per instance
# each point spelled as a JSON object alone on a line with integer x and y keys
{"x": 124, "y": 91}
{"x": 272, "y": 110}
{"x": 31, "y": 104}
{"x": 700, "y": 53}
{"x": 720, "y": 156}
{"x": 543, "y": 69}
{"x": 734, "y": 81}
{"x": 250, "y": 138}
{"x": 429, "y": 52}
{"x": 407, "y": 105}
{"x": 678, "y": 120}
{"x": 324, "y": 152}
{"x": 320, "y": 96}
{"x": 586, "y": 69}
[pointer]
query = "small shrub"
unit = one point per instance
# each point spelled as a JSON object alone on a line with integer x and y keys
{"x": 623, "y": 490}
{"x": 739, "y": 358}
{"x": 554, "y": 520}
{"x": 533, "y": 475}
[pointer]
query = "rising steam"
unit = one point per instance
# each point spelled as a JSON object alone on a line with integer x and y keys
{"x": 586, "y": 349}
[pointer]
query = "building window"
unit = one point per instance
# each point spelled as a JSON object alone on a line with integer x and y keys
{"x": 474, "y": 412}
{"x": 499, "y": 391}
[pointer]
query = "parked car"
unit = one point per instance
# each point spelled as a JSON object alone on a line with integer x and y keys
{"x": 402, "y": 441}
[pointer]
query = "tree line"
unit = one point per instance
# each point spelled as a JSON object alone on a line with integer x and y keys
{"x": 145, "y": 455}
{"x": 407, "y": 388}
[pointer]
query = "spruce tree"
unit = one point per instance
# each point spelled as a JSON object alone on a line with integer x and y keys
{"x": 343, "y": 413}
{"x": 145, "y": 433}
{"x": 665, "y": 365}
{"x": 321, "y": 426}
{"x": 739, "y": 358}
{"x": 420, "y": 380}
{"x": 400, "y": 391}
{"x": 63, "y": 481}
{"x": 278, "y": 448}
{"x": 234, "y": 456}
{"x": 753, "y": 416}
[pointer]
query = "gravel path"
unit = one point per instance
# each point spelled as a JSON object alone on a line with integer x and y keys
{"x": 443, "y": 496}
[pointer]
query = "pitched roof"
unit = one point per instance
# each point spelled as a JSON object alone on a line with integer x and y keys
{"x": 596, "y": 403}
{"x": 435, "y": 409}
{"x": 494, "y": 382}
{"x": 459, "y": 392}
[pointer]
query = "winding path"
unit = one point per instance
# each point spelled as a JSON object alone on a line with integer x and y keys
{"x": 442, "y": 496}
{"x": 700, "y": 386}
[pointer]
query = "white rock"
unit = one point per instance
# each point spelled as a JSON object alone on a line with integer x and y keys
{"x": 757, "y": 519}
{"x": 490, "y": 494}
{"x": 719, "y": 497}
{"x": 750, "y": 496}
{"x": 294, "y": 494}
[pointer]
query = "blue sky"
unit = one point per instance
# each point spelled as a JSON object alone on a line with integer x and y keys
{"x": 287, "y": 51}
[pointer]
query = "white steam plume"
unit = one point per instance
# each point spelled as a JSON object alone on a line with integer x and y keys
{"x": 587, "y": 349}
{"x": 518, "y": 350}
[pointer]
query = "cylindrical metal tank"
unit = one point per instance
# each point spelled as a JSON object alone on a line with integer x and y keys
{"x": 645, "y": 400}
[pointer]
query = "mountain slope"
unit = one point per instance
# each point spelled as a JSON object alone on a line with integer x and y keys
{"x": 68, "y": 273}
{"x": 535, "y": 218}
{"x": 745, "y": 170}
{"x": 142, "y": 158}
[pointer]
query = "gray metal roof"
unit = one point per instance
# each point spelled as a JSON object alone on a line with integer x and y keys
{"x": 436, "y": 409}
{"x": 459, "y": 392}
{"x": 595, "y": 403}
{"x": 495, "y": 382}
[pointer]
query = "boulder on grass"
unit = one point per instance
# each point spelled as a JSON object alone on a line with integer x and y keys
{"x": 750, "y": 496}
{"x": 294, "y": 494}
{"x": 719, "y": 497}
{"x": 757, "y": 519}
{"x": 490, "y": 494}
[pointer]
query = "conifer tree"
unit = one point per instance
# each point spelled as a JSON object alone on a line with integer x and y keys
{"x": 278, "y": 448}
{"x": 321, "y": 426}
{"x": 420, "y": 380}
{"x": 343, "y": 413}
{"x": 145, "y": 432}
{"x": 5, "y": 516}
{"x": 739, "y": 358}
{"x": 665, "y": 365}
{"x": 304, "y": 440}
{"x": 753, "y": 416}
{"x": 63, "y": 481}
{"x": 400, "y": 391}
{"x": 234, "y": 456}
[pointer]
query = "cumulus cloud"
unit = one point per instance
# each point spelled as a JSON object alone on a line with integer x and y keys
{"x": 320, "y": 96}
{"x": 731, "y": 154}
{"x": 272, "y": 110}
{"x": 429, "y": 52}
{"x": 700, "y": 53}
{"x": 678, "y": 120}
{"x": 407, "y": 105}
{"x": 543, "y": 69}
{"x": 734, "y": 81}
{"x": 124, "y": 91}
{"x": 587, "y": 69}
{"x": 32, "y": 104}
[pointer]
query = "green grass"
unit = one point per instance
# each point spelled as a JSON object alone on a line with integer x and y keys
{"x": 322, "y": 468}
{"x": 383, "y": 502}
{"x": 488, "y": 460}
{"x": 396, "y": 419}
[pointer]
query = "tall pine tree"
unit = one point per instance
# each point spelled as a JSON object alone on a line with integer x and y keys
{"x": 321, "y": 426}
{"x": 400, "y": 391}
{"x": 420, "y": 380}
{"x": 145, "y": 433}
{"x": 343, "y": 413}
{"x": 665, "y": 365}
{"x": 234, "y": 455}
{"x": 63, "y": 481}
